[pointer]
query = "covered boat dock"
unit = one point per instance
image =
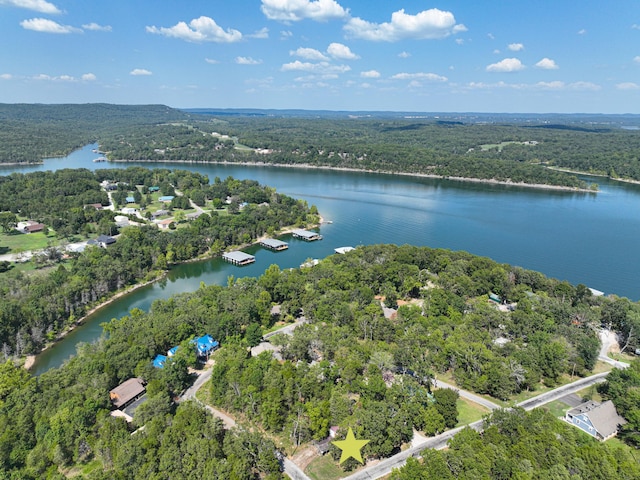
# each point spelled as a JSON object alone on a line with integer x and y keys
{"x": 306, "y": 235}
{"x": 238, "y": 258}
{"x": 273, "y": 244}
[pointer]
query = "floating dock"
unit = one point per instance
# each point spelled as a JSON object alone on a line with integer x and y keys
{"x": 306, "y": 235}
{"x": 238, "y": 258}
{"x": 273, "y": 244}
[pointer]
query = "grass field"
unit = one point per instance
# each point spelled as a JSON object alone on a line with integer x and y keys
{"x": 324, "y": 468}
{"x": 17, "y": 242}
{"x": 469, "y": 412}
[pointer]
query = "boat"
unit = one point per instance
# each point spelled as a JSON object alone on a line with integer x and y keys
{"x": 100, "y": 159}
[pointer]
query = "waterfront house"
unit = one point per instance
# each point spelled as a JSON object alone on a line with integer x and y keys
{"x": 600, "y": 420}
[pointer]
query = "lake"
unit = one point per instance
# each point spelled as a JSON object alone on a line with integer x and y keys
{"x": 579, "y": 237}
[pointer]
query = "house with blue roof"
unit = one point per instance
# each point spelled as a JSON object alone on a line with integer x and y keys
{"x": 166, "y": 198}
{"x": 205, "y": 345}
{"x": 130, "y": 200}
{"x": 172, "y": 351}
{"x": 159, "y": 361}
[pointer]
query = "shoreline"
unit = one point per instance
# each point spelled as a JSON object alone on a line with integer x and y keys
{"x": 597, "y": 175}
{"x": 30, "y": 360}
{"x": 539, "y": 186}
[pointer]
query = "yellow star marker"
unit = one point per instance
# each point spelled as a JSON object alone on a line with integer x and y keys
{"x": 350, "y": 447}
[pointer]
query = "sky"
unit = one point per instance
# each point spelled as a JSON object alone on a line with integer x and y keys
{"x": 534, "y": 56}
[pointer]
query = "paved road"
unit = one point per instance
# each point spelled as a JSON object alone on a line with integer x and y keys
{"x": 468, "y": 395}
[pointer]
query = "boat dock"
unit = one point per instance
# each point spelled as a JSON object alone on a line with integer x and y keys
{"x": 273, "y": 244}
{"x": 306, "y": 235}
{"x": 343, "y": 250}
{"x": 238, "y": 258}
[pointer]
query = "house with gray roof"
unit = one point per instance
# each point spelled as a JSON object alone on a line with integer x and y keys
{"x": 600, "y": 420}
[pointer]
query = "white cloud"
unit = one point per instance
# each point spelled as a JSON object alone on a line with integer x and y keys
{"x": 404, "y": 54}
{"x": 515, "y": 47}
{"x": 285, "y": 34}
{"x": 491, "y": 36}
{"x": 136, "y": 72}
{"x": 262, "y": 33}
{"x": 41, "y": 6}
{"x": 247, "y": 61}
{"x": 459, "y": 41}
{"x": 628, "y": 86}
{"x": 506, "y": 65}
{"x": 428, "y": 24}
{"x": 636, "y": 59}
{"x": 47, "y": 26}
{"x": 370, "y": 74}
{"x": 496, "y": 51}
{"x": 460, "y": 27}
{"x": 49, "y": 78}
{"x": 309, "y": 54}
{"x": 322, "y": 67}
{"x": 582, "y": 31}
{"x": 202, "y": 29}
{"x": 555, "y": 85}
{"x": 547, "y": 64}
{"x": 338, "y": 50}
{"x": 89, "y": 77}
{"x": 98, "y": 28}
{"x": 584, "y": 86}
{"x": 296, "y": 10}
{"x": 6, "y": 76}
{"x": 419, "y": 76}
{"x": 211, "y": 61}
{"x": 635, "y": 26}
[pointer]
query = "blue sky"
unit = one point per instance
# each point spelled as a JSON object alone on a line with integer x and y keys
{"x": 403, "y": 55}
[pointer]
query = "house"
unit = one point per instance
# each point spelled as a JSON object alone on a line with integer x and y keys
{"x": 166, "y": 198}
{"x": 97, "y": 206}
{"x": 205, "y": 345}
{"x": 130, "y": 200}
{"x": 105, "y": 240}
{"x": 165, "y": 224}
{"x": 127, "y": 392}
{"x": 172, "y": 351}
{"x": 159, "y": 213}
{"x": 600, "y": 420}
{"x": 159, "y": 361}
{"x": 154, "y": 189}
{"x": 129, "y": 210}
{"x": 30, "y": 227}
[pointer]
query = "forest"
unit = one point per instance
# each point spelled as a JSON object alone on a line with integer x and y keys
{"x": 35, "y": 307}
{"x": 348, "y": 364}
{"x": 533, "y": 151}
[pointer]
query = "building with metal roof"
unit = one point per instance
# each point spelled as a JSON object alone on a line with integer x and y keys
{"x": 306, "y": 235}
{"x": 238, "y": 258}
{"x": 273, "y": 244}
{"x": 127, "y": 392}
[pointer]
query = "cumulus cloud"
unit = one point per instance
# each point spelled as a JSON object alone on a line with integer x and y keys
{"x": 370, "y": 74}
{"x": 211, "y": 61}
{"x": 338, "y": 50}
{"x": 296, "y": 10}
{"x": 547, "y": 64}
{"x": 137, "y": 72}
{"x": 6, "y": 76}
{"x": 247, "y": 61}
{"x": 309, "y": 54}
{"x": 584, "y": 86}
{"x": 41, "y": 6}
{"x": 47, "y": 26}
{"x": 555, "y": 85}
{"x": 50, "y": 78}
{"x": 96, "y": 27}
{"x": 89, "y": 77}
{"x": 404, "y": 54}
{"x": 515, "y": 47}
{"x": 428, "y": 24}
{"x": 636, "y": 59}
{"x": 321, "y": 67}
{"x": 582, "y": 31}
{"x": 202, "y": 29}
{"x": 432, "y": 77}
{"x": 628, "y": 86}
{"x": 285, "y": 34}
{"x": 506, "y": 65}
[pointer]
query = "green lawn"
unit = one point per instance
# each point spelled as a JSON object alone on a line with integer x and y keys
{"x": 469, "y": 412}
{"x": 17, "y": 242}
{"x": 324, "y": 468}
{"x": 557, "y": 408}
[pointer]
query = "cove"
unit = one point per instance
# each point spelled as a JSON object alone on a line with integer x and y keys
{"x": 579, "y": 237}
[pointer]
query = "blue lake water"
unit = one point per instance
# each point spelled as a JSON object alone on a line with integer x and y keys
{"x": 579, "y": 237}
